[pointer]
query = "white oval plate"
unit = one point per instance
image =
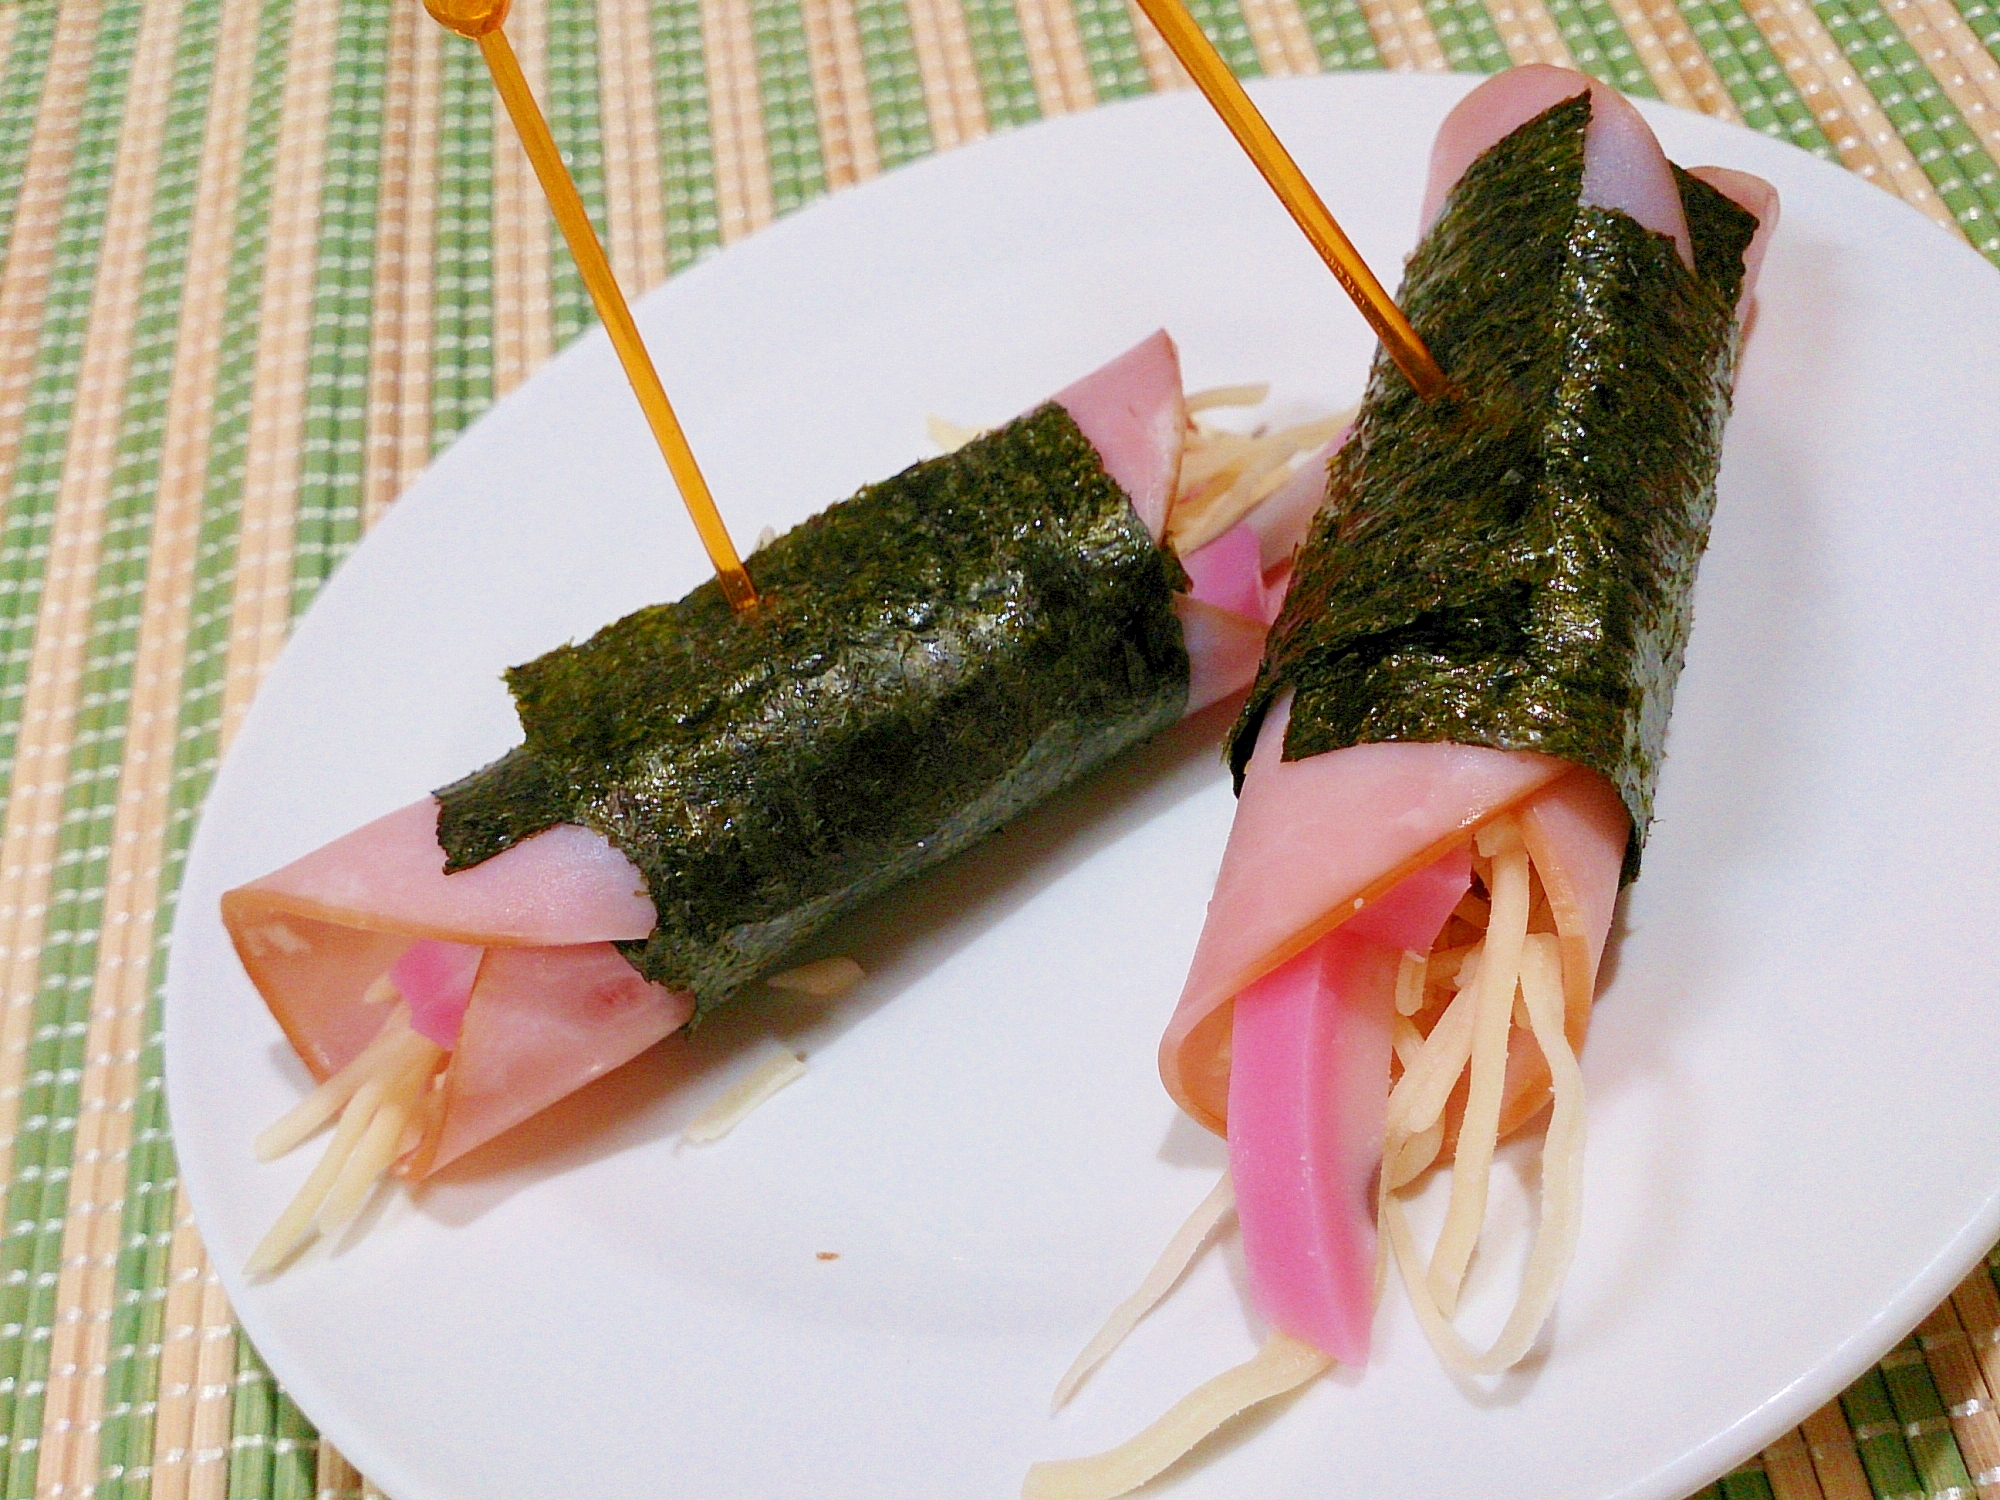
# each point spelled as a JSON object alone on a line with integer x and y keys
{"x": 1794, "y": 1147}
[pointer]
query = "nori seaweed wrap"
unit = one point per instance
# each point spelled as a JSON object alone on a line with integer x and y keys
{"x": 1514, "y": 567}
{"x": 930, "y": 658}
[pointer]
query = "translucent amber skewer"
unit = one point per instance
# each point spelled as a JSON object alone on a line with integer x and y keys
{"x": 480, "y": 21}
{"x": 1212, "y": 76}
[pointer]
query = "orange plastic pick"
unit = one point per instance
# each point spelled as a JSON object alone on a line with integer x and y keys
{"x": 1212, "y": 76}
{"x": 480, "y": 20}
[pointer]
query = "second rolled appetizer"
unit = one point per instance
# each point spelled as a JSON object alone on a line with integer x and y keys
{"x": 1446, "y": 766}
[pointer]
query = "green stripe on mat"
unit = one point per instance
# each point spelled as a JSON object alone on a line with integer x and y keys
{"x": 328, "y": 522}
{"x": 1757, "y": 82}
{"x": 1340, "y": 34}
{"x": 1927, "y": 120}
{"x": 1466, "y": 33}
{"x": 1600, "y": 46}
{"x": 462, "y": 284}
{"x": 1000, "y": 57}
{"x": 1224, "y": 23}
{"x": 895, "y": 82}
{"x": 1111, "y": 49}
{"x": 38, "y": 1195}
{"x": 1927, "y": 1430}
{"x": 1878, "y": 1439}
{"x": 153, "y": 1183}
{"x": 577, "y": 121}
{"x": 791, "y": 121}
{"x": 1744, "y": 1484}
{"x": 273, "y": 1450}
{"x": 1984, "y": 19}
{"x": 680, "y": 104}
{"x": 20, "y": 98}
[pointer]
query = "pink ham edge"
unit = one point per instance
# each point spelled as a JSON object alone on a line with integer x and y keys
{"x": 1623, "y": 167}
{"x": 317, "y": 933}
{"x": 1757, "y": 197}
{"x": 1308, "y": 1097}
{"x": 1229, "y": 574}
{"x": 1344, "y": 828}
{"x": 1132, "y": 412}
{"x": 543, "y": 1023}
{"x": 1226, "y": 615}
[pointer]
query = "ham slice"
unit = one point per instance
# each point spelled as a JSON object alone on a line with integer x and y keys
{"x": 1133, "y": 414}
{"x": 511, "y": 962}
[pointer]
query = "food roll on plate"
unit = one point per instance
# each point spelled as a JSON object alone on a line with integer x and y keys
{"x": 1446, "y": 765}
{"x": 698, "y": 794}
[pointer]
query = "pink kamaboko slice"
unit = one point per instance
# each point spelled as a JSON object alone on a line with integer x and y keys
{"x": 1309, "y": 1091}
{"x": 510, "y": 969}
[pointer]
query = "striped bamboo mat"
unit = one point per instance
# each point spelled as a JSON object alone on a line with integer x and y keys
{"x": 251, "y": 280}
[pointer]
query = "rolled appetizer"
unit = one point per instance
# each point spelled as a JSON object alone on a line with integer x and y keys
{"x": 1446, "y": 765}
{"x": 697, "y": 794}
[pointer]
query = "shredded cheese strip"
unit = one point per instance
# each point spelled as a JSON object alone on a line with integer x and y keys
{"x": 394, "y": 1078}
{"x": 1420, "y": 1095}
{"x": 1530, "y": 997}
{"x": 1282, "y": 1365}
{"x": 823, "y": 979}
{"x": 773, "y": 1068}
{"x": 1225, "y": 476}
{"x": 306, "y": 1117}
{"x": 1499, "y": 973}
{"x": 1228, "y": 395}
{"x": 382, "y": 1142}
{"x": 1167, "y": 1271}
{"x": 1562, "y": 1192}
{"x": 1412, "y": 974}
{"x": 947, "y": 435}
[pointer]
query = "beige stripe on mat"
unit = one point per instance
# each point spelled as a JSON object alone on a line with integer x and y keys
{"x": 1834, "y": 1458}
{"x": 1278, "y": 32}
{"x": 1841, "y": 103}
{"x": 735, "y": 119}
{"x": 411, "y": 412}
{"x": 1163, "y": 69}
{"x": 840, "y": 93}
{"x": 1680, "y": 70}
{"x": 1055, "y": 56}
{"x": 24, "y": 282}
{"x": 381, "y": 474}
{"x": 1529, "y": 33}
{"x": 1964, "y": 69}
{"x": 196, "y": 1403}
{"x": 86, "y": 1289}
{"x": 523, "y": 232}
{"x": 1789, "y": 1468}
{"x": 263, "y": 603}
{"x": 633, "y": 198}
{"x": 952, "y": 101}
{"x": 69, "y": 586}
{"x": 1404, "y": 35}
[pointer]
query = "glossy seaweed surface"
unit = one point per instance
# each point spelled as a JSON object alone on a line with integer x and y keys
{"x": 1515, "y": 567}
{"x": 931, "y": 657}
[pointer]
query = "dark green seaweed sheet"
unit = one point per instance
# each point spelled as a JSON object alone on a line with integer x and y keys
{"x": 931, "y": 657}
{"x": 1515, "y": 567}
